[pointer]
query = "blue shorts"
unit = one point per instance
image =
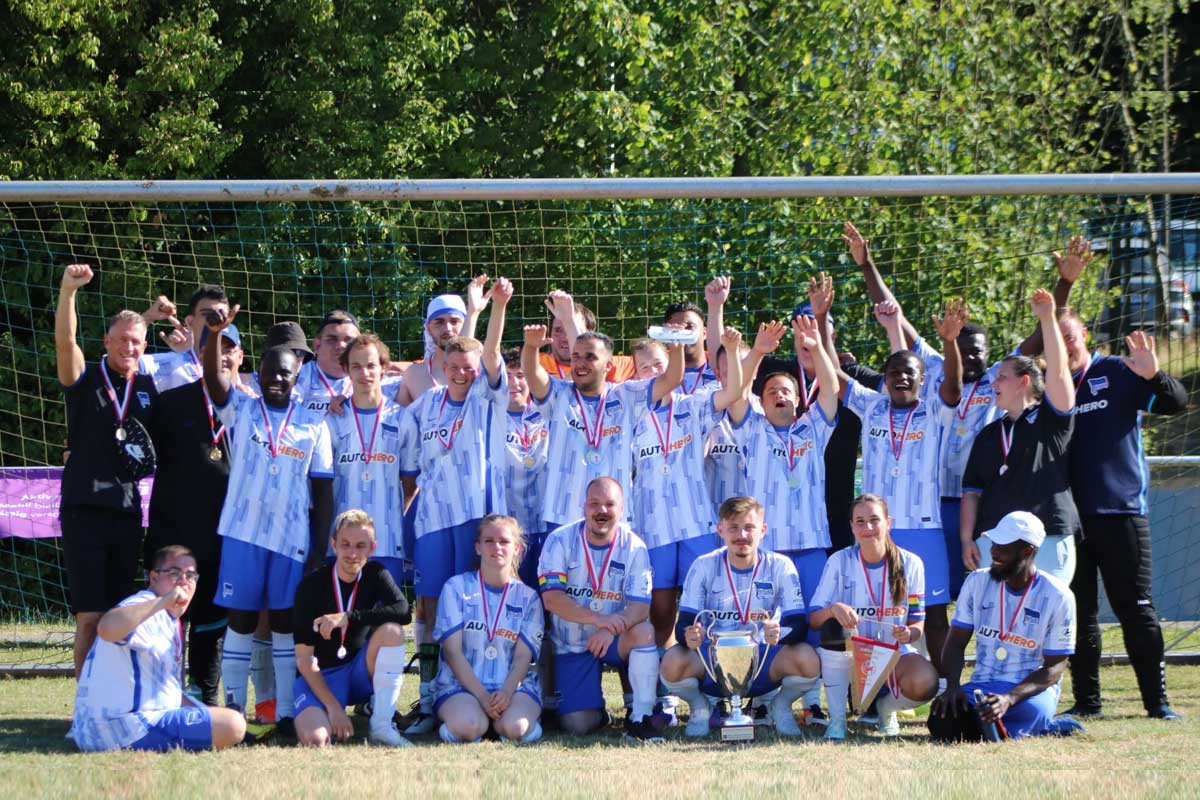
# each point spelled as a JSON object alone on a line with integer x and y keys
{"x": 950, "y": 529}
{"x": 529, "y": 562}
{"x": 928, "y": 544}
{"x": 759, "y": 686}
{"x": 394, "y": 566}
{"x": 458, "y": 689}
{"x": 350, "y": 683}
{"x": 577, "y": 676}
{"x": 809, "y": 564}
{"x": 188, "y": 728}
{"x": 253, "y": 578}
{"x": 670, "y": 563}
{"x": 1030, "y": 717}
{"x": 440, "y": 555}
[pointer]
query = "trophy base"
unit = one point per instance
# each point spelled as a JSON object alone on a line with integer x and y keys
{"x": 737, "y": 733}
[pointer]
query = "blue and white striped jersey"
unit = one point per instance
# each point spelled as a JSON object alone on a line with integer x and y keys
{"x": 171, "y": 370}
{"x": 771, "y": 586}
{"x": 315, "y": 390}
{"x": 527, "y": 444}
{"x": 863, "y": 586}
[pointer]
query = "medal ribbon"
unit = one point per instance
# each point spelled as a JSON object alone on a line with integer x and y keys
{"x": 594, "y": 435}
{"x": 213, "y": 431}
{"x": 695, "y": 384}
{"x": 882, "y": 584}
{"x": 447, "y": 443}
{"x": 897, "y": 451}
{"x": 743, "y": 615}
{"x": 337, "y": 591}
{"x": 966, "y": 407}
{"x": 495, "y": 618}
{"x": 196, "y": 365}
{"x": 122, "y": 410}
{"x": 1006, "y": 438}
{"x": 595, "y": 582}
{"x": 1083, "y": 374}
{"x": 787, "y": 444}
{"x": 367, "y": 450}
{"x": 326, "y": 384}
{"x": 273, "y": 440}
{"x": 665, "y": 444}
{"x": 807, "y": 393}
{"x": 1013, "y": 619}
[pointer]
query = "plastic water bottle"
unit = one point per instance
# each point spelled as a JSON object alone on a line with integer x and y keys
{"x": 990, "y": 732}
{"x": 672, "y": 335}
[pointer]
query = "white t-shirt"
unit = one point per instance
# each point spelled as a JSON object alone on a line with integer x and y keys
{"x": 771, "y": 586}
{"x": 268, "y": 498}
{"x": 563, "y": 567}
{"x": 126, "y": 686}
{"x": 1043, "y": 625}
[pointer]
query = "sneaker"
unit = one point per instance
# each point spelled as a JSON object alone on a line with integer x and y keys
{"x": 285, "y": 726}
{"x": 785, "y": 722}
{"x": 1082, "y": 712}
{"x": 762, "y": 715}
{"x": 813, "y": 715}
{"x": 1165, "y": 712}
{"x": 1064, "y": 726}
{"x": 417, "y": 722}
{"x": 264, "y": 712}
{"x": 835, "y": 730}
{"x": 387, "y": 736}
{"x": 716, "y": 717}
{"x": 888, "y": 724}
{"x": 641, "y": 732}
{"x": 871, "y": 715}
{"x": 365, "y": 709}
{"x": 664, "y": 717}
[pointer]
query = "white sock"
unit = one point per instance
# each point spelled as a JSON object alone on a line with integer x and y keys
{"x": 835, "y": 674}
{"x": 426, "y": 697}
{"x": 533, "y": 734}
{"x": 262, "y": 673}
{"x": 793, "y": 687}
{"x": 688, "y": 690}
{"x": 235, "y": 667}
{"x": 889, "y": 702}
{"x": 387, "y": 680}
{"x": 449, "y": 738}
{"x": 283, "y": 658}
{"x": 643, "y": 677}
{"x": 812, "y": 696}
{"x": 419, "y": 631}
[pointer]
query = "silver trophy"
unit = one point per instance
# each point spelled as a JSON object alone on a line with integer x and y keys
{"x": 733, "y": 660}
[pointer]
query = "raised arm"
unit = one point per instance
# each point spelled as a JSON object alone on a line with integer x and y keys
{"x": 948, "y": 328}
{"x": 218, "y": 385}
{"x": 121, "y": 621}
{"x": 1070, "y": 267}
{"x": 1060, "y": 391}
{"x": 500, "y": 293}
{"x": 477, "y": 301}
{"x": 860, "y": 251}
{"x": 889, "y": 314}
{"x": 562, "y": 307}
{"x": 535, "y": 374}
{"x": 727, "y": 395}
{"x": 670, "y": 380}
{"x": 808, "y": 337}
{"x": 716, "y": 294}
{"x": 1170, "y": 396}
{"x": 67, "y": 354}
{"x": 820, "y": 297}
{"x": 766, "y": 342}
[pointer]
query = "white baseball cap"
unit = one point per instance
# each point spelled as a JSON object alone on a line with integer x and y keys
{"x": 445, "y": 304}
{"x": 1018, "y": 526}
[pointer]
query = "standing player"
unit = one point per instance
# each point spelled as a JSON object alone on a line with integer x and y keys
{"x": 672, "y": 511}
{"x": 446, "y": 318}
{"x": 595, "y": 579}
{"x": 349, "y": 640}
{"x": 568, "y": 319}
{"x": 741, "y": 583}
{"x": 527, "y": 442}
{"x": 901, "y": 445}
{"x": 1109, "y": 481}
{"x": 324, "y": 379}
{"x": 130, "y": 694}
{"x": 847, "y": 595}
{"x": 724, "y": 462}
{"x": 181, "y": 366}
{"x": 185, "y": 505}
{"x": 459, "y": 467}
{"x": 697, "y": 372}
{"x": 281, "y": 465}
{"x": 592, "y": 420}
{"x": 368, "y": 450}
{"x": 489, "y": 627}
{"x": 100, "y": 511}
{"x": 1025, "y": 623}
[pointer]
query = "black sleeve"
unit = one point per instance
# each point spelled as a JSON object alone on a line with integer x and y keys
{"x": 1170, "y": 396}
{"x": 798, "y": 622}
{"x": 390, "y": 606}
{"x": 304, "y": 611}
{"x": 686, "y": 620}
{"x": 869, "y": 378}
{"x": 975, "y": 473}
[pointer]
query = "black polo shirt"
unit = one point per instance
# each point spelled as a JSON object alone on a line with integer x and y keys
{"x": 1038, "y": 477}
{"x": 189, "y": 486}
{"x": 94, "y": 475}
{"x": 378, "y": 601}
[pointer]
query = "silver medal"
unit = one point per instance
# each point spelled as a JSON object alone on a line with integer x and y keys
{"x": 895, "y": 472}
{"x": 666, "y": 469}
{"x": 342, "y": 651}
{"x": 593, "y": 456}
{"x": 1003, "y": 468}
{"x": 273, "y": 469}
{"x": 491, "y": 652}
{"x": 961, "y": 430}
{"x": 120, "y": 434}
{"x": 1001, "y": 653}
{"x": 596, "y": 605}
{"x": 366, "y": 477}
{"x": 794, "y": 482}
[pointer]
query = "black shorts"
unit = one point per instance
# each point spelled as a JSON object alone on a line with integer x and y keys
{"x": 102, "y": 551}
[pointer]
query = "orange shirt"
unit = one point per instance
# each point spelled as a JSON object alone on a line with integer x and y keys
{"x": 621, "y": 368}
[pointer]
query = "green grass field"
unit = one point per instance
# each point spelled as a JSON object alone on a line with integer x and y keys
{"x": 1125, "y": 755}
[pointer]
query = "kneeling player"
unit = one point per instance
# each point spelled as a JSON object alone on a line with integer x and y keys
{"x": 349, "y": 643}
{"x": 129, "y": 694}
{"x": 595, "y": 579}
{"x": 489, "y": 626}
{"x": 1025, "y": 620}
{"x": 740, "y": 583}
{"x": 877, "y": 581}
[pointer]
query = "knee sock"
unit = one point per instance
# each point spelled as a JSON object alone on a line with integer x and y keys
{"x": 262, "y": 672}
{"x": 889, "y": 702}
{"x": 643, "y": 678}
{"x": 235, "y": 668}
{"x": 688, "y": 690}
{"x": 283, "y": 658}
{"x": 835, "y": 674}
{"x": 812, "y": 696}
{"x": 387, "y": 680}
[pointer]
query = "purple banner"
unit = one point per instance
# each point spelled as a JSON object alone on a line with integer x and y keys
{"x": 29, "y": 501}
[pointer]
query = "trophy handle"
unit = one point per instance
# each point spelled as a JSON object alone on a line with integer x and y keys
{"x": 704, "y": 661}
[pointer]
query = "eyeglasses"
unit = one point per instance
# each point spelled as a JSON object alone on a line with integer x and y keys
{"x": 175, "y": 573}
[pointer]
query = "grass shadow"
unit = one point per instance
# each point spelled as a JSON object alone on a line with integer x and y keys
{"x": 35, "y": 735}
